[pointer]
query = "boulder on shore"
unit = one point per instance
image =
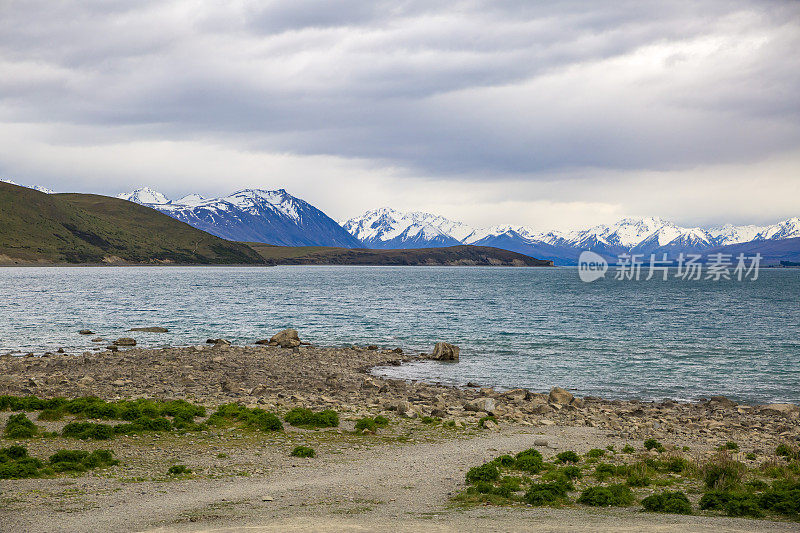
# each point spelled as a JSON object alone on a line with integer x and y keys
{"x": 560, "y": 396}
{"x": 86, "y": 332}
{"x": 124, "y": 341}
{"x": 444, "y": 351}
{"x": 287, "y": 338}
{"x": 478, "y": 405}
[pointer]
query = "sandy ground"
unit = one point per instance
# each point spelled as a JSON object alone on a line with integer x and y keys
{"x": 392, "y": 486}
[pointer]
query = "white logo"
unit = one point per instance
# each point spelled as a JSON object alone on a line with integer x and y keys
{"x": 591, "y": 266}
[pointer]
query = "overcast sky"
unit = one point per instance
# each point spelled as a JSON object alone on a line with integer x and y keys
{"x": 555, "y": 115}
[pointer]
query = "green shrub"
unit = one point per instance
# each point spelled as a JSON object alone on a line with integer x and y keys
{"x": 571, "y": 472}
{"x": 783, "y": 498}
{"x": 744, "y": 506}
{"x": 177, "y": 470}
{"x": 628, "y": 449}
{"x": 529, "y": 463}
{"x": 301, "y": 417}
{"x": 567, "y": 457}
{"x": 730, "y": 445}
{"x": 506, "y": 461}
{"x": 367, "y": 424}
{"x": 604, "y": 471}
{"x": 605, "y": 496}
{"x": 303, "y": 451}
{"x": 751, "y": 456}
{"x": 638, "y": 478}
{"x": 668, "y": 502}
{"x": 653, "y": 444}
{"x": 20, "y": 427}
{"x": 784, "y": 450}
{"x": 429, "y": 420}
{"x": 381, "y": 420}
{"x": 255, "y": 418}
{"x": 547, "y": 493}
{"x": 485, "y": 472}
{"x": 595, "y": 453}
{"x": 489, "y": 418}
{"x": 80, "y": 460}
{"x": 16, "y": 464}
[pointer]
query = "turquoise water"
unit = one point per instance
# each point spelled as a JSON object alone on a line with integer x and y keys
{"x": 517, "y": 327}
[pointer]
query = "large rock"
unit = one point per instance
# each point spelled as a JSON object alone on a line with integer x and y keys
{"x": 784, "y": 409}
{"x": 124, "y": 341}
{"x": 560, "y": 396}
{"x": 287, "y": 338}
{"x": 444, "y": 351}
{"x": 481, "y": 404}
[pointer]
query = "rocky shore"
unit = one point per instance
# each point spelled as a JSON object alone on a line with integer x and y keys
{"x": 276, "y": 377}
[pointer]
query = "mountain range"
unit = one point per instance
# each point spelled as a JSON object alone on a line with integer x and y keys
{"x": 276, "y": 217}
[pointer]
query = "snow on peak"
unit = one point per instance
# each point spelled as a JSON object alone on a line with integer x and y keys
{"x": 144, "y": 195}
{"x": 786, "y": 229}
{"x": 384, "y": 224}
{"x": 253, "y": 201}
{"x": 191, "y": 200}
{"x": 34, "y": 187}
{"x": 730, "y": 234}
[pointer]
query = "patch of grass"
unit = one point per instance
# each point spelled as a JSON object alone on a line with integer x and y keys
{"x": 429, "y": 420}
{"x": 51, "y": 415}
{"x": 15, "y": 463}
{"x": 88, "y": 430}
{"x": 20, "y": 427}
{"x": 609, "y": 495}
{"x": 178, "y": 470}
{"x": 222, "y": 455}
{"x": 482, "y": 421}
{"x": 505, "y": 461}
{"x": 787, "y": 451}
{"x": 382, "y": 421}
{"x": 668, "y": 502}
{"x": 571, "y": 472}
{"x": 371, "y": 424}
{"x": 723, "y": 473}
{"x": 604, "y": 471}
{"x": 653, "y": 444}
{"x": 628, "y": 449}
{"x": 730, "y": 446}
{"x": 303, "y": 451}
{"x": 732, "y": 503}
{"x": 307, "y": 418}
{"x": 568, "y": 457}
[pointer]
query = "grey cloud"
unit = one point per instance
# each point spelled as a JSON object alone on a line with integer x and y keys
{"x": 466, "y": 89}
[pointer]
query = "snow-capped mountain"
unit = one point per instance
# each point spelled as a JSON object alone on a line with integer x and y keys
{"x": 389, "y": 228}
{"x": 252, "y": 215}
{"x": 144, "y": 196}
{"x": 34, "y": 187}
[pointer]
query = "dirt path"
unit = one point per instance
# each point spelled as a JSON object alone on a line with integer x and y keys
{"x": 391, "y": 487}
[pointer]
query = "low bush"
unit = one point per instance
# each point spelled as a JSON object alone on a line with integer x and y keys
{"x": 615, "y": 495}
{"x": 381, "y": 420}
{"x": 604, "y": 471}
{"x": 177, "y": 470}
{"x": 505, "y": 461}
{"x": 567, "y": 457}
{"x": 784, "y": 450}
{"x": 16, "y": 464}
{"x": 571, "y": 472}
{"x": 730, "y": 445}
{"x": 547, "y": 493}
{"x": 80, "y": 460}
{"x": 20, "y": 427}
{"x": 254, "y": 418}
{"x": 628, "y": 449}
{"x": 307, "y": 418}
{"x": 783, "y": 498}
{"x": 653, "y": 444}
{"x": 668, "y": 502}
{"x": 367, "y": 424}
{"x": 482, "y": 421}
{"x": 595, "y": 453}
{"x": 303, "y": 451}
{"x": 485, "y": 472}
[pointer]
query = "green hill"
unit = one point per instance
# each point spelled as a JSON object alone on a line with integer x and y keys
{"x": 462, "y": 255}
{"x": 88, "y": 228}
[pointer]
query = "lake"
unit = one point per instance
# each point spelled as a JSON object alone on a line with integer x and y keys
{"x": 517, "y": 327}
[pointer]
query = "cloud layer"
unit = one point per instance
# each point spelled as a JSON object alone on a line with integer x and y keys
{"x": 493, "y": 102}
